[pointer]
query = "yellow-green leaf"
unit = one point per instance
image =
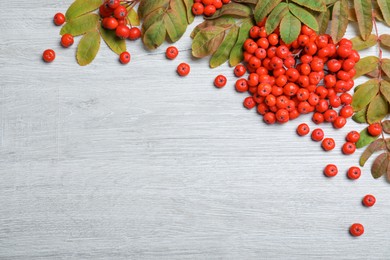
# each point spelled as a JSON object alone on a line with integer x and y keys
{"x": 385, "y": 65}
{"x": 365, "y": 93}
{"x": 339, "y": 20}
{"x": 290, "y": 27}
{"x": 366, "y": 65}
{"x": 363, "y": 9}
{"x": 253, "y": 2}
{"x": 152, "y": 18}
{"x": 225, "y": 22}
{"x": 385, "y": 40}
{"x": 360, "y": 44}
{"x": 207, "y": 41}
{"x": 147, "y": 7}
{"x": 81, "y": 25}
{"x": 155, "y": 35}
{"x": 360, "y": 116}
{"x": 375, "y": 146}
{"x": 384, "y": 6}
{"x": 365, "y": 138}
{"x": 132, "y": 17}
{"x": 223, "y": 51}
{"x": 315, "y": 5}
{"x": 379, "y": 167}
{"x": 190, "y": 15}
{"x": 263, "y": 8}
{"x": 80, "y": 7}
{"x": 386, "y": 126}
{"x": 234, "y": 10}
{"x": 115, "y": 43}
{"x": 376, "y": 11}
{"x": 385, "y": 89}
{"x": 275, "y": 17}
{"x": 323, "y": 21}
{"x": 88, "y": 48}
{"x": 236, "y": 55}
{"x": 304, "y": 16}
{"x": 377, "y": 109}
{"x": 175, "y": 19}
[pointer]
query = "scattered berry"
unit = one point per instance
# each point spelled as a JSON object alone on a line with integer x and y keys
{"x": 356, "y": 229}
{"x": 354, "y": 173}
{"x": 67, "y": 40}
{"x": 352, "y": 137}
{"x": 171, "y": 52}
{"x": 48, "y": 55}
{"x": 317, "y": 135}
{"x": 220, "y": 81}
{"x": 125, "y": 57}
{"x": 369, "y": 200}
{"x": 331, "y": 170}
{"x": 59, "y": 19}
{"x": 303, "y": 129}
{"x": 183, "y": 69}
{"x": 328, "y": 144}
{"x": 134, "y": 33}
{"x": 348, "y": 148}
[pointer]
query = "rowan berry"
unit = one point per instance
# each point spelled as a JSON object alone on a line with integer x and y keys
{"x": 217, "y": 3}
{"x": 281, "y": 80}
{"x": 273, "y": 39}
{"x": 375, "y": 129}
{"x": 369, "y": 200}
{"x": 122, "y": 22}
{"x": 344, "y": 51}
{"x": 333, "y": 65}
{"x": 352, "y": 137}
{"x": 314, "y": 78}
{"x": 331, "y": 170}
{"x": 339, "y": 122}
{"x": 270, "y": 100}
{"x": 321, "y": 41}
{"x": 302, "y": 94}
{"x": 317, "y": 135}
{"x": 239, "y": 70}
{"x": 317, "y": 118}
{"x": 105, "y": 11}
{"x": 323, "y": 52}
{"x": 264, "y": 89}
{"x": 262, "y": 109}
{"x": 220, "y": 81}
{"x": 346, "y": 98}
{"x": 249, "y": 103}
{"x": 303, "y": 129}
{"x": 122, "y": 31}
{"x": 304, "y": 107}
{"x": 197, "y": 9}
{"x": 354, "y": 56}
{"x": 330, "y": 80}
{"x": 207, "y": 2}
{"x": 134, "y": 33}
{"x": 328, "y": 144}
{"x": 289, "y": 62}
{"x": 110, "y": 23}
{"x": 313, "y": 99}
{"x": 48, "y": 55}
{"x": 305, "y": 69}
{"x": 263, "y": 43}
{"x": 282, "y": 101}
{"x": 253, "y": 80}
{"x": 241, "y": 85}
{"x": 171, "y": 52}
{"x": 310, "y": 48}
{"x": 330, "y": 115}
{"x": 348, "y": 64}
{"x": 254, "y": 62}
{"x": 322, "y": 105}
{"x": 67, "y": 40}
{"x": 250, "y": 46}
{"x": 346, "y": 111}
{"x": 354, "y": 173}
{"x": 290, "y": 89}
{"x": 59, "y": 19}
{"x": 276, "y": 91}
{"x": 282, "y": 52}
{"x": 348, "y": 148}
{"x": 282, "y": 115}
{"x": 356, "y": 229}
{"x": 292, "y": 74}
{"x": 113, "y": 4}
{"x": 124, "y": 57}
{"x": 306, "y": 30}
{"x": 209, "y": 10}
{"x": 183, "y": 69}
{"x": 269, "y": 118}
{"x": 120, "y": 12}
{"x": 303, "y": 39}
{"x": 293, "y": 114}
{"x": 278, "y": 72}
{"x": 276, "y": 63}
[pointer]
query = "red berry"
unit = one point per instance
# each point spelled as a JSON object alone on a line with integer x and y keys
{"x": 113, "y": 4}
{"x": 48, "y": 55}
{"x": 249, "y": 102}
{"x": 220, "y": 81}
{"x": 356, "y": 229}
{"x": 122, "y": 31}
{"x": 352, "y": 137}
{"x": 134, "y": 33}
{"x": 331, "y": 170}
{"x": 339, "y": 122}
{"x": 239, "y": 70}
{"x": 241, "y": 85}
{"x": 197, "y": 9}
{"x": 124, "y": 58}
{"x": 348, "y": 148}
{"x": 59, "y": 19}
{"x": 67, "y": 40}
{"x": 120, "y": 12}
{"x": 110, "y": 23}
{"x": 369, "y": 200}
{"x": 317, "y": 135}
{"x": 183, "y": 69}
{"x": 354, "y": 173}
{"x": 375, "y": 129}
{"x": 328, "y": 144}
{"x": 209, "y": 10}
{"x": 303, "y": 129}
{"x": 171, "y": 52}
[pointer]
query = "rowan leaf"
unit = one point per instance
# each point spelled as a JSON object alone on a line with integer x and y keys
{"x": 360, "y": 44}
{"x": 290, "y": 27}
{"x": 386, "y": 126}
{"x": 315, "y": 5}
{"x": 225, "y": 22}
{"x": 264, "y": 7}
{"x": 175, "y": 20}
{"x": 365, "y": 138}
{"x": 234, "y": 10}
{"x": 363, "y": 9}
{"x": 152, "y": 18}
{"x": 147, "y": 7}
{"x": 352, "y": 15}
{"x": 155, "y": 35}
{"x": 339, "y": 23}
{"x": 385, "y": 66}
{"x": 385, "y": 40}
{"x": 384, "y": 6}
{"x": 360, "y": 116}
{"x": 388, "y": 171}
{"x": 366, "y": 65}
{"x": 323, "y": 21}
{"x": 88, "y": 48}
{"x": 377, "y": 13}
{"x": 80, "y": 7}
{"x": 385, "y": 89}
{"x": 275, "y": 17}
{"x": 377, "y": 109}
{"x": 364, "y": 94}
{"x": 253, "y": 2}
{"x": 304, "y": 16}
{"x": 375, "y": 146}
{"x": 223, "y": 52}
{"x": 115, "y": 43}
{"x": 330, "y": 2}
{"x": 132, "y": 17}
{"x": 190, "y": 16}
{"x": 81, "y": 25}
{"x": 236, "y": 55}
{"x": 207, "y": 41}
{"x": 379, "y": 167}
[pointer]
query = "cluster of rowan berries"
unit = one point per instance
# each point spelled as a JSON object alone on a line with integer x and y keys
{"x": 207, "y": 7}
{"x": 312, "y": 74}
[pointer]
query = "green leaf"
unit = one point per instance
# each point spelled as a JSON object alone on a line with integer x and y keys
{"x": 253, "y": 2}
{"x": 81, "y": 25}
{"x": 365, "y": 93}
{"x": 363, "y": 9}
{"x": 175, "y": 19}
{"x": 263, "y": 8}
{"x": 386, "y": 126}
{"x": 323, "y": 21}
{"x": 275, "y": 17}
{"x": 384, "y": 6}
{"x": 304, "y": 16}
{"x": 233, "y": 10}
{"x": 365, "y": 138}
{"x": 330, "y": 2}
{"x": 375, "y": 146}
{"x": 377, "y": 109}
{"x": 88, "y": 48}
{"x": 315, "y": 5}
{"x": 190, "y": 15}
{"x": 385, "y": 89}
{"x": 80, "y": 7}
{"x": 115, "y": 43}
{"x": 379, "y": 167}
{"x": 207, "y": 41}
{"x": 376, "y": 11}
{"x": 366, "y": 65}
{"x": 223, "y": 52}
{"x": 132, "y": 17}
{"x": 360, "y": 44}
{"x": 155, "y": 35}
{"x": 236, "y": 55}
{"x": 339, "y": 20}
{"x": 152, "y": 18}
{"x": 290, "y": 27}
{"x": 385, "y": 40}
{"x": 385, "y": 66}
{"x": 147, "y": 7}
{"x": 360, "y": 116}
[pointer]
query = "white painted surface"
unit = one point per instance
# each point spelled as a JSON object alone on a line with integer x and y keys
{"x": 133, "y": 162}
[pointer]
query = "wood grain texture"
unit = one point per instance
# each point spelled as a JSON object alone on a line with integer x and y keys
{"x": 133, "y": 162}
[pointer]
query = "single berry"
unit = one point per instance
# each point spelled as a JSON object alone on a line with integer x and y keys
{"x": 356, "y": 229}
{"x": 171, "y": 52}
{"x": 134, "y": 33}
{"x": 249, "y": 103}
{"x": 352, "y": 137}
{"x": 303, "y": 129}
{"x": 331, "y": 170}
{"x": 183, "y": 69}
{"x": 67, "y": 40}
{"x": 48, "y": 55}
{"x": 113, "y": 4}
{"x": 328, "y": 144}
{"x": 122, "y": 31}
{"x": 348, "y": 148}
{"x": 375, "y": 129}
{"x": 354, "y": 173}
{"x": 317, "y": 135}
{"x": 369, "y": 200}
{"x": 197, "y": 9}
{"x": 209, "y": 10}
{"x": 239, "y": 70}
{"x": 59, "y": 19}
{"x": 125, "y": 57}
{"x": 220, "y": 81}
{"x": 110, "y": 23}
{"x": 120, "y": 12}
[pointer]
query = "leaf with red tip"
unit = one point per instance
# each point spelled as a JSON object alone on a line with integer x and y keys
{"x": 363, "y": 10}
{"x": 207, "y": 41}
{"x": 379, "y": 167}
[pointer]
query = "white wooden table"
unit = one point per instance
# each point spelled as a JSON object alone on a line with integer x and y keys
{"x": 132, "y": 162}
